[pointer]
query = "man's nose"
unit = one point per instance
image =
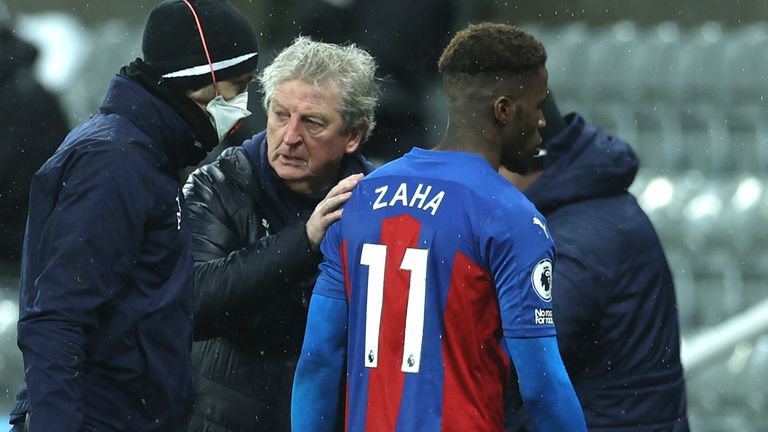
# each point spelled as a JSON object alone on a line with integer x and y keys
{"x": 293, "y": 131}
{"x": 542, "y": 121}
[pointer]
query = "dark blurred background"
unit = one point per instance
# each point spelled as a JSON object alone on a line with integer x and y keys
{"x": 684, "y": 82}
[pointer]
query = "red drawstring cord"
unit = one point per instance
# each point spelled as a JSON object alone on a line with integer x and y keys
{"x": 205, "y": 46}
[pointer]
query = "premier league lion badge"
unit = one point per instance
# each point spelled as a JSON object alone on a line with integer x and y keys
{"x": 541, "y": 279}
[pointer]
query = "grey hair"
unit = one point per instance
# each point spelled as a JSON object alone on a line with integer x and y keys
{"x": 351, "y": 70}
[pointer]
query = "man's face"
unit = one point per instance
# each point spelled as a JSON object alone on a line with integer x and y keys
{"x": 306, "y": 139}
{"x": 522, "y": 140}
{"x": 228, "y": 89}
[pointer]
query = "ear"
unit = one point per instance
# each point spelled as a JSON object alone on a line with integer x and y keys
{"x": 355, "y": 138}
{"x": 503, "y": 109}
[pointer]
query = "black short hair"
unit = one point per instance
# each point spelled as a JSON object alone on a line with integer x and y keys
{"x": 485, "y": 59}
{"x": 492, "y": 48}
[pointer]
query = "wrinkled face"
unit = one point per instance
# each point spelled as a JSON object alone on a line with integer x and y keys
{"x": 306, "y": 139}
{"x": 522, "y": 140}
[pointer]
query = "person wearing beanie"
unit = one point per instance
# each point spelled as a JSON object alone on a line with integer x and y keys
{"x": 258, "y": 214}
{"x": 105, "y": 322}
{"x": 613, "y": 295}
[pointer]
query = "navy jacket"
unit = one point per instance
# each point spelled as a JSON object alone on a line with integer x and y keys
{"x": 613, "y": 296}
{"x": 105, "y": 323}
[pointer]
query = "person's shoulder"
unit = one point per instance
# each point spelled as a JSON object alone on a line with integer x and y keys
{"x": 509, "y": 211}
{"x": 236, "y": 157}
{"x": 232, "y": 165}
{"x": 519, "y": 215}
{"x": 620, "y": 234}
{"x": 96, "y": 144}
{"x": 501, "y": 195}
{"x": 229, "y": 180}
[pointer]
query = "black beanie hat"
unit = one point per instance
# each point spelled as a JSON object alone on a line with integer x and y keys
{"x": 174, "y": 51}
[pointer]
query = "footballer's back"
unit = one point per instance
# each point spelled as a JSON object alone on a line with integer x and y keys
{"x": 433, "y": 246}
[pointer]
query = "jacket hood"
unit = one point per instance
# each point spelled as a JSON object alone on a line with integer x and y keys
{"x": 154, "y": 117}
{"x": 582, "y": 163}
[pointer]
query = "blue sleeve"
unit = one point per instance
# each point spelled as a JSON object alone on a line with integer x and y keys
{"x": 330, "y": 282}
{"x": 86, "y": 251}
{"x": 520, "y": 256}
{"x": 320, "y": 371}
{"x": 547, "y": 393}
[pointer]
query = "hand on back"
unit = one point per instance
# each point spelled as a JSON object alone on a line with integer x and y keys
{"x": 329, "y": 209}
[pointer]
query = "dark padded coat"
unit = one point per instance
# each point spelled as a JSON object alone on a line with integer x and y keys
{"x": 255, "y": 270}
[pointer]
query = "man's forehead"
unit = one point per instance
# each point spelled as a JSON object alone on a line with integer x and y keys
{"x": 297, "y": 91}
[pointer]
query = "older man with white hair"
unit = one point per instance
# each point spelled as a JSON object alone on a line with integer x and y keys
{"x": 259, "y": 214}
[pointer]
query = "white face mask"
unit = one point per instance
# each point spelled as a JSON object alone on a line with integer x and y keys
{"x": 225, "y": 114}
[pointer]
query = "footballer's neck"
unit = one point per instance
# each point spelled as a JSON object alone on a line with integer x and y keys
{"x": 464, "y": 139}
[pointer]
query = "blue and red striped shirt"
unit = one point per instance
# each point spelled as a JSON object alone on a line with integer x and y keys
{"x": 439, "y": 259}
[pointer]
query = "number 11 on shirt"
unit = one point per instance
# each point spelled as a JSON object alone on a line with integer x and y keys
{"x": 415, "y": 260}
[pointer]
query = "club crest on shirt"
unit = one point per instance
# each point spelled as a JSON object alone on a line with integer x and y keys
{"x": 541, "y": 279}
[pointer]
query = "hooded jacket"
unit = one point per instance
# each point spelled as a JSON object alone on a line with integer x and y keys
{"x": 613, "y": 295}
{"x": 254, "y": 271}
{"x": 105, "y": 323}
